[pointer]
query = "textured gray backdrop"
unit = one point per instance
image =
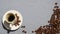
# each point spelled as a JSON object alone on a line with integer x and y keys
{"x": 34, "y": 12}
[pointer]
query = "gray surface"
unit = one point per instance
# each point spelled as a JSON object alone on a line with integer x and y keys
{"x": 34, "y": 12}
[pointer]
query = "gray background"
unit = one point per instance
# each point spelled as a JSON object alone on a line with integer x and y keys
{"x": 34, "y": 12}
